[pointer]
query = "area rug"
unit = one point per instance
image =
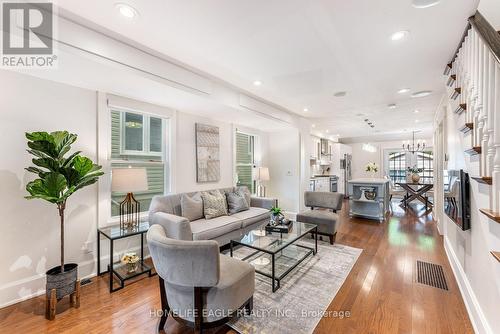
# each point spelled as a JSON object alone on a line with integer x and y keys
{"x": 304, "y": 295}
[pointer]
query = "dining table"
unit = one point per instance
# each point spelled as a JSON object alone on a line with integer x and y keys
{"x": 416, "y": 191}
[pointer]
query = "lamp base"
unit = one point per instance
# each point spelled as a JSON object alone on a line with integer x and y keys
{"x": 129, "y": 212}
{"x": 261, "y": 191}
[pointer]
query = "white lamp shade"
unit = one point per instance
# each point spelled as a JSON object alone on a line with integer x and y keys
{"x": 262, "y": 174}
{"x": 128, "y": 180}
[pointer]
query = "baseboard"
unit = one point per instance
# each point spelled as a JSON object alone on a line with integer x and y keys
{"x": 36, "y": 283}
{"x": 476, "y": 314}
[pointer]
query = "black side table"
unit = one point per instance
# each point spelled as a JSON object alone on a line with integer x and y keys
{"x": 120, "y": 270}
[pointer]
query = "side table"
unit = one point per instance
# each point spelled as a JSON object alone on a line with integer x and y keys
{"x": 119, "y": 270}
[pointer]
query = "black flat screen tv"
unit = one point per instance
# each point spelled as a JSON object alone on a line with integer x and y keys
{"x": 457, "y": 197}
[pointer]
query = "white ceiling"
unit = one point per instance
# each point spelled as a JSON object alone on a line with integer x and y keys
{"x": 304, "y": 51}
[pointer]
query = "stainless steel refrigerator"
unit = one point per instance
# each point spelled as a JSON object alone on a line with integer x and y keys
{"x": 345, "y": 165}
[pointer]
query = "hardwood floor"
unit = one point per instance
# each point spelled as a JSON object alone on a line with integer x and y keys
{"x": 380, "y": 293}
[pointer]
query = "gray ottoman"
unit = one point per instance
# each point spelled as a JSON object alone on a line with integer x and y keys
{"x": 324, "y": 206}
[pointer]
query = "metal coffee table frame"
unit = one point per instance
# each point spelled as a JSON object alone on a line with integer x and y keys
{"x": 276, "y": 279}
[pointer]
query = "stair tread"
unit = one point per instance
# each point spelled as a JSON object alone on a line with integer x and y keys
{"x": 491, "y": 214}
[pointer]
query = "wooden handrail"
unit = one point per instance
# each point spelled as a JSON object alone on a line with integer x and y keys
{"x": 486, "y": 32}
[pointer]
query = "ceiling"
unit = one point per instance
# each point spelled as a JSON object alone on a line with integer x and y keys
{"x": 305, "y": 51}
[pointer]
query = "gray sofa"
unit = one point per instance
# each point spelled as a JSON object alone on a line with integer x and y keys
{"x": 166, "y": 211}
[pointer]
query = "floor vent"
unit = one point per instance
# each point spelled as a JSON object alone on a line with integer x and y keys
{"x": 431, "y": 274}
{"x": 85, "y": 281}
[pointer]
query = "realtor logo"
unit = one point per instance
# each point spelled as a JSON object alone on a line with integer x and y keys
{"x": 28, "y": 32}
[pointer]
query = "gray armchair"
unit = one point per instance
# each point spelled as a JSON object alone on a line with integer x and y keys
{"x": 326, "y": 220}
{"x": 199, "y": 287}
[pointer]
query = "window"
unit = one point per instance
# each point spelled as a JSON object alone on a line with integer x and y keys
{"x": 245, "y": 160}
{"x": 138, "y": 140}
{"x": 397, "y": 166}
{"x": 397, "y": 161}
{"x": 142, "y": 134}
{"x": 425, "y": 160}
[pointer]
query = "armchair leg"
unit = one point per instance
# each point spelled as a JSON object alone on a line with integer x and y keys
{"x": 332, "y": 238}
{"x": 249, "y": 306}
{"x": 198, "y": 309}
{"x": 164, "y": 306}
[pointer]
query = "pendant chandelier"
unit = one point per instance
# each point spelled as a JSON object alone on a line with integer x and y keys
{"x": 412, "y": 146}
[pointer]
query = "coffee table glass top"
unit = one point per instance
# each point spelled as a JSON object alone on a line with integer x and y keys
{"x": 273, "y": 242}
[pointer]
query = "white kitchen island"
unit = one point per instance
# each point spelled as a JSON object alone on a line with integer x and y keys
{"x": 369, "y": 198}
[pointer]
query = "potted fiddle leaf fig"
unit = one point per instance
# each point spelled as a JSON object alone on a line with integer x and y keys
{"x": 59, "y": 175}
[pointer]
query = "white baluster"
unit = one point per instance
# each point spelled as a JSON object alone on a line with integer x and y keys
{"x": 496, "y": 133}
{"x": 491, "y": 116}
{"x": 484, "y": 110}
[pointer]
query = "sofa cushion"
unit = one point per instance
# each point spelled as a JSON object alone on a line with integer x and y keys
{"x": 210, "y": 229}
{"x": 326, "y": 220}
{"x": 236, "y": 202}
{"x": 236, "y": 285}
{"x": 192, "y": 206}
{"x": 214, "y": 204}
{"x": 252, "y": 216}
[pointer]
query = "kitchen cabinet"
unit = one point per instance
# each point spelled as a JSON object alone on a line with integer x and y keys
{"x": 322, "y": 184}
{"x": 315, "y": 148}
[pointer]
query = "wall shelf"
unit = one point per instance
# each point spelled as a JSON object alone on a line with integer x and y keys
{"x": 491, "y": 214}
{"x": 496, "y": 255}
{"x": 461, "y": 108}
{"x": 483, "y": 179}
{"x": 466, "y": 128}
{"x": 456, "y": 93}
{"x": 473, "y": 151}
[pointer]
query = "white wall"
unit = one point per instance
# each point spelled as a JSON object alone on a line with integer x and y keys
{"x": 361, "y": 157}
{"x": 477, "y": 272}
{"x": 284, "y": 169}
{"x": 29, "y": 240}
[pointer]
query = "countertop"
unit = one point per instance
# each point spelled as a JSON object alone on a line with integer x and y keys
{"x": 368, "y": 180}
{"x": 322, "y": 175}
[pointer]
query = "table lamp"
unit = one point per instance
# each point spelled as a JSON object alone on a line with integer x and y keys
{"x": 129, "y": 180}
{"x": 261, "y": 174}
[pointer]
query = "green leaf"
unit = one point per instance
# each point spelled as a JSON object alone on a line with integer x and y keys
{"x": 69, "y": 160}
{"x": 63, "y": 141}
{"x": 51, "y": 164}
{"x": 46, "y": 147}
{"x": 49, "y": 188}
{"x": 82, "y": 165}
{"x": 39, "y": 136}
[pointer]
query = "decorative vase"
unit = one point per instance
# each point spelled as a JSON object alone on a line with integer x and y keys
{"x": 415, "y": 178}
{"x": 132, "y": 267}
{"x": 275, "y": 219}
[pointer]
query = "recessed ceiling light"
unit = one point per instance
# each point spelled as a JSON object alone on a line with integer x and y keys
{"x": 403, "y": 90}
{"x": 416, "y": 111}
{"x": 424, "y": 3}
{"x": 126, "y": 10}
{"x": 400, "y": 35}
{"x": 422, "y": 93}
{"x": 340, "y": 94}
{"x": 391, "y": 106}
{"x": 257, "y": 83}
{"x": 416, "y": 121}
{"x": 306, "y": 110}
{"x": 327, "y": 131}
{"x": 313, "y": 125}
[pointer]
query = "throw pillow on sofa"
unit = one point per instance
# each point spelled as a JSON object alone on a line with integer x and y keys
{"x": 244, "y": 190}
{"x": 236, "y": 202}
{"x": 214, "y": 204}
{"x": 192, "y": 206}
